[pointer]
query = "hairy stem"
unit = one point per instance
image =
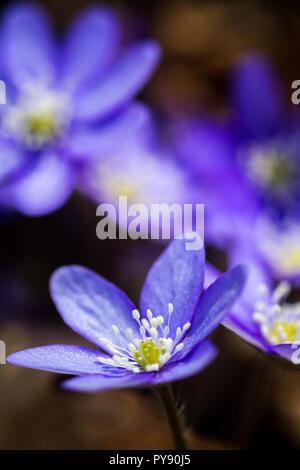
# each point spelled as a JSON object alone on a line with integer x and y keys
{"x": 166, "y": 396}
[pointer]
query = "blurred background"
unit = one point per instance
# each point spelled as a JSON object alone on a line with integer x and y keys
{"x": 239, "y": 401}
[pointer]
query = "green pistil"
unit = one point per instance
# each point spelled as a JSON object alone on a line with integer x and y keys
{"x": 148, "y": 353}
{"x": 43, "y": 126}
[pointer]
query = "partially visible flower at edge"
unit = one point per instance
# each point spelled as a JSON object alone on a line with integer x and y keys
{"x": 262, "y": 316}
{"x": 249, "y": 168}
{"x": 162, "y": 342}
{"x": 80, "y": 91}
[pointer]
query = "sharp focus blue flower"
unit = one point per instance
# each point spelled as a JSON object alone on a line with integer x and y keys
{"x": 162, "y": 342}
{"x": 79, "y": 93}
{"x": 262, "y": 316}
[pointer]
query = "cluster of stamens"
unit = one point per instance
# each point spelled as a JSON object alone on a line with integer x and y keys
{"x": 279, "y": 321}
{"x": 149, "y": 352}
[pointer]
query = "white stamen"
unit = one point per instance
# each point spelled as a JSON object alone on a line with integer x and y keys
{"x": 186, "y": 326}
{"x": 279, "y": 322}
{"x": 263, "y": 290}
{"x": 166, "y": 330}
{"x": 179, "y": 347}
{"x": 281, "y": 292}
{"x": 129, "y": 333}
{"x": 115, "y": 330}
{"x": 136, "y": 314}
{"x": 145, "y": 324}
{"x": 137, "y": 355}
{"x": 149, "y": 314}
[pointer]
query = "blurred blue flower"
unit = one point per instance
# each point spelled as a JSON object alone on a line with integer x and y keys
{"x": 80, "y": 92}
{"x": 144, "y": 171}
{"x": 249, "y": 168}
{"x": 262, "y": 316}
{"x": 163, "y": 342}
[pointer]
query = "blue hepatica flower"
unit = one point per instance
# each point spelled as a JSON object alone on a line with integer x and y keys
{"x": 78, "y": 92}
{"x": 268, "y": 135}
{"x": 147, "y": 174}
{"x": 162, "y": 342}
{"x": 262, "y": 316}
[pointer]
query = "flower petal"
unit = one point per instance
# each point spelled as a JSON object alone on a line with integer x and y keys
{"x": 176, "y": 277}
{"x": 97, "y": 142}
{"x": 256, "y": 96}
{"x": 97, "y": 383}
{"x": 290, "y": 352}
{"x": 241, "y": 329}
{"x": 90, "y": 305}
{"x": 13, "y": 161}
{"x": 206, "y": 147}
{"x": 242, "y": 310}
{"x": 27, "y": 46}
{"x": 119, "y": 86}
{"x": 214, "y": 304}
{"x": 61, "y": 358}
{"x": 202, "y": 355}
{"x": 91, "y": 45}
{"x": 199, "y": 358}
{"x": 45, "y": 188}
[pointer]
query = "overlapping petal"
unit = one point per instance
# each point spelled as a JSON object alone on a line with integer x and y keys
{"x": 120, "y": 84}
{"x": 200, "y": 357}
{"x": 176, "y": 277}
{"x": 195, "y": 362}
{"x": 44, "y": 188}
{"x": 95, "y": 142}
{"x": 214, "y": 304}
{"x": 97, "y": 383}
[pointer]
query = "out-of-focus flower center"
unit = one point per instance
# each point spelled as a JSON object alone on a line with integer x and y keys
{"x": 279, "y": 322}
{"x": 38, "y": 117}
{"x": 151, "y": 350}
{"x": 120, "y": 187}
{"x": 43, "y": 126}
{"x": 280, "y": 246}
{"x": 271, "y": 166}
{"x": 271, "y": 170}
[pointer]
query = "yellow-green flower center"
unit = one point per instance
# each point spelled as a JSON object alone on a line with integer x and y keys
{"x": 39, "y": 115}
{"x": 43, "y": 126}
{"x": 148, "y": 354}
{"x": 270, "y": 168}
{"x": 120, "y": 187}
{"x": 284, "y": 330}
{"x": 291, "y": 261}
{"x": 279, "y": 322}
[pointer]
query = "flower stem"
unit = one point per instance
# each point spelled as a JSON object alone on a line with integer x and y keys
{"x": 165, "y": 393}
